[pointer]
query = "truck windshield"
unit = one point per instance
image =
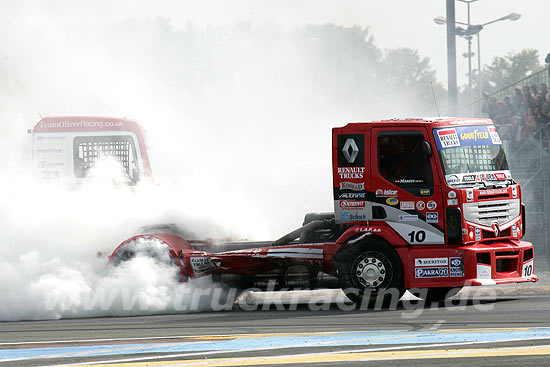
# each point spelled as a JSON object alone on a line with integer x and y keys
{"x": 90, "y": 151}
{"x": 472, "y": 159}
{"x": 471, "y": 154}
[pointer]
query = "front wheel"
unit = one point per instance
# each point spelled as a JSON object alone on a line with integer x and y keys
{"x": 370, "y": 273}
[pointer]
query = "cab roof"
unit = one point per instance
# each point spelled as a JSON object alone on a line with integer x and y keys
{"x": 432, "y": 121}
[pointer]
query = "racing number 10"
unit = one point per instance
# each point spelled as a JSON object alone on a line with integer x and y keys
{"x": 417, "y": 236}
{"x": 528, "y": 269}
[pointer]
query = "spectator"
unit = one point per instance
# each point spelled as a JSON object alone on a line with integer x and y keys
{"x": 540, "y": 118}
{"x": 491, "y": 108}
{"x": 518, "y": 101}
{"x": 509, "y": 110}
{"x": 546, "y": 107}
{"x": 534, "y": 90}
{"x": 543, "y": 90}
{"x": 527, "y": 98}
{"x": 525, "y": 128}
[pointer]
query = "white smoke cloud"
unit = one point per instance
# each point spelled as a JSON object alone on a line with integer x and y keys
{"x": 239, "y": 128}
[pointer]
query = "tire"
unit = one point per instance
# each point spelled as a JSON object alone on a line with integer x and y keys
{"x": 368, "y": 271}
{"x": 440, "y": 293}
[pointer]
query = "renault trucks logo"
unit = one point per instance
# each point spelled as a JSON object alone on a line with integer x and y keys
{"x": 350, "y": 149}
{"x": 448, "y": 138}
{"x": 496, "y": 229}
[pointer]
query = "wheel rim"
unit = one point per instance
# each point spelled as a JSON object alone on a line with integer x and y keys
{"x": 372, "y": 270}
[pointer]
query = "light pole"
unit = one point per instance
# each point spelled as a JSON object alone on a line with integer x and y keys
{"x": 471, "y": 30}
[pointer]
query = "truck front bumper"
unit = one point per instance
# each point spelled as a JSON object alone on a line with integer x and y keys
{"x": 473, "y": 265}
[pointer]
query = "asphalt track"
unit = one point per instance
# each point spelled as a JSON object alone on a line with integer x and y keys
{"x": 508, "y": 325}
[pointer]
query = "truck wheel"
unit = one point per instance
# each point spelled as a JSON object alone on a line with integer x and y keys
{"x": 440, "y": 293}
{"x": 368, "y": 271}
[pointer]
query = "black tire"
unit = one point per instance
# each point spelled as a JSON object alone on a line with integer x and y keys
{"x": 369, "y": 270}
{"x": 439, "y": 293}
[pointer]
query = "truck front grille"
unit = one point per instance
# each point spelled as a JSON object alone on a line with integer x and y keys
{"x": 487, "y": 212}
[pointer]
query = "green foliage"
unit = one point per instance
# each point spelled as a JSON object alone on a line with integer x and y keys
{"x": 506, "y": 70}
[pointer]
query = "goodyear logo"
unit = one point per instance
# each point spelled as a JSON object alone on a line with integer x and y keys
{"x": 474, "y": 135}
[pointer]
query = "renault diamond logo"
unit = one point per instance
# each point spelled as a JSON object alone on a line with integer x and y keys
{"x": 350, "y": 145}
{"x": 496, "y": 229}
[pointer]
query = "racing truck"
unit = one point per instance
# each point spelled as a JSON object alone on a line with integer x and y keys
{"x": 68, "y": 149}
{"x": 423, "y": 204}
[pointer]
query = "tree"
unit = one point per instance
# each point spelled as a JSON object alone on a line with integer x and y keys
{"x": 410, "y": 77}
{"x": 507, "y": 70}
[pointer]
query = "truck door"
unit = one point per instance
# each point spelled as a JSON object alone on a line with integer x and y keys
{"x": 406, "y": 185}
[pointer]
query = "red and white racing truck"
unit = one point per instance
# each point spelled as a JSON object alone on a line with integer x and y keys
{"x": 425, "y": 204}
{"x": 68, "y": 149}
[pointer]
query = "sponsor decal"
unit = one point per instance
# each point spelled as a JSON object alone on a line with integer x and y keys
{"x": 456, "y": 269}
{"x": 496, "y": 191}
{"x": 351, "y": 173}
{"x": 431, "y": 261}
{"x": 369, "y": 229}
{"x": 425, "y": 192}
{"x": 431, "y": 205}
{"x": 351, "y": 150}
{"x": 408, "y": 218}
{"x": 474, "y": 135}
{"x": 469, "y": 178}
{"x": 452, "y": 202}
{"x": 490, "y": 177}
{"x": 478, "y": 234}
{"x": 483, "y": 271}
{"x": 452, "y": 179}
{"x": 352, "y": 217}
{"x": 494, "y": 135}
{"x": 352, "y": 186}
{"x": 352, "y": 195}
{"x": 469, "y": 195}
{"x": 44, "y": 164}
{"x": 514, "y": 191}
{"x": 40, "y": 138}
{"x": 408, "y": 181}
{"x": 352, "y": 204}
{"x": 432, "y": 217}
{"x": 406, "y": 205}
{"x": 514, "y": 230}
{"x": 500, "y": 176}
{"x": 448, "y": 138}
{"x": 451, "y": 194}
{"x": 80, "y": 124}
{"x": 392, "y": 201}
{"x": 435, "y": 272}
{"x": 386, "y": 193}
{"x": 420, "y": 205}
{"x": 49, "y": 150}
{"x": 201, "y": 264}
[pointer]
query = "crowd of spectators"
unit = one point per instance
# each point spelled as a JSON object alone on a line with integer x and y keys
{"x": 526, "y": 111}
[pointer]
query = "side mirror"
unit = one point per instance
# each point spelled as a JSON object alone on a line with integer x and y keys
{"x": 427, "y": 148}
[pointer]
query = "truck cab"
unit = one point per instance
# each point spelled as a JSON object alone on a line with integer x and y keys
{"x": 75, "y": 150}
{"x": 440, "y": 192}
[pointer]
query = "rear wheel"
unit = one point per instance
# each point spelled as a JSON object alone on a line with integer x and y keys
{"x": 370, "y": 273}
